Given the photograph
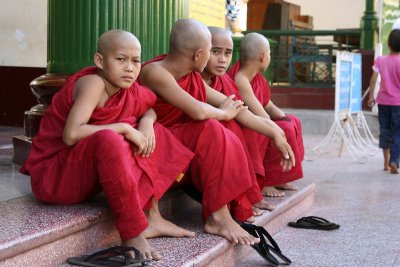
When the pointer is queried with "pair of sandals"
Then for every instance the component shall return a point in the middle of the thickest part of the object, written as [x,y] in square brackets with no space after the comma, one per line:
[314,222]
[265,250]
[111,257]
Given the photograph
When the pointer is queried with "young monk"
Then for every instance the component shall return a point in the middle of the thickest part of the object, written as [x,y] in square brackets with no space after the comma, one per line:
[219,168]
[216,77]
[99,134]
[254,59]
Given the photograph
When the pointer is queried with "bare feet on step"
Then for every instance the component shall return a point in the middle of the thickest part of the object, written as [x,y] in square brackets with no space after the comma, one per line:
[270,191]
[251,219]
[221,223]
[141,244]
[264,205]
[158,226]
[257,211]
[286,186]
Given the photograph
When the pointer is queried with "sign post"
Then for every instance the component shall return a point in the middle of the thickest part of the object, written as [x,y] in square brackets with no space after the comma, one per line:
[348,103]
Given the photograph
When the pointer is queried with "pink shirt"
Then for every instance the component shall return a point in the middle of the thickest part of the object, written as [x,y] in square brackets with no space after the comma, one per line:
[389,69]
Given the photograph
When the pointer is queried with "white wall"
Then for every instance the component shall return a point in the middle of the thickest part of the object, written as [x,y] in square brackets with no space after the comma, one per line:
[23,33]
[332,14]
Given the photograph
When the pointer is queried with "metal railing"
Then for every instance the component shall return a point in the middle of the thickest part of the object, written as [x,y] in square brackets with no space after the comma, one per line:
[306,58]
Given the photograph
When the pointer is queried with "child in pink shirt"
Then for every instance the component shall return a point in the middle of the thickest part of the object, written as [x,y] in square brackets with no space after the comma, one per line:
[388,101]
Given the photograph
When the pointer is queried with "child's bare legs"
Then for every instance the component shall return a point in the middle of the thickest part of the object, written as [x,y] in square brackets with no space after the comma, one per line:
[386,158]
[158,226]
[270,191]
[221,223]
[141,244]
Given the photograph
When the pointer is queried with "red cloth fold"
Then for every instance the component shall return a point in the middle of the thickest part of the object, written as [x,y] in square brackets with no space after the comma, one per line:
[274,174]
[62,174]
[219,168]
[225,85]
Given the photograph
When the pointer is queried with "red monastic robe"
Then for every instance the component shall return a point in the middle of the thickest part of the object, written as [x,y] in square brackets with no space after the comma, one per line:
[274,174]
[62,174]
[225,85]
[219,168]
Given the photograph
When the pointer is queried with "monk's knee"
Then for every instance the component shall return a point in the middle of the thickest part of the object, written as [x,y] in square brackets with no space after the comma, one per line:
[108,142]
[213,127]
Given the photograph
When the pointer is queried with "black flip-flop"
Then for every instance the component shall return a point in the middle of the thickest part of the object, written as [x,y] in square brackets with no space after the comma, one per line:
[263,248]
[111,257]
[314,222]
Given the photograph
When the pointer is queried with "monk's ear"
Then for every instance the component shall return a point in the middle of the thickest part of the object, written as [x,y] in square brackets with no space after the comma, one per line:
[262,57]
[197,54]
[98,60]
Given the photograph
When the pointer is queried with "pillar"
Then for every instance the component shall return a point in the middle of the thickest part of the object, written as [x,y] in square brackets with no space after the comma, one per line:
[73,29]
[369,26]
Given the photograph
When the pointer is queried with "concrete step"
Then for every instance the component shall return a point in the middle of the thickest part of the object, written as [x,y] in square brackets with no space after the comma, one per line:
[318,122]
[35,234]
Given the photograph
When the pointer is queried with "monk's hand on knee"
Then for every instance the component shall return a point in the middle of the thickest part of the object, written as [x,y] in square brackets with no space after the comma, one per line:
[147,129]
[137,138]
[232,107]
[150,146]
[291,155]
[288,160]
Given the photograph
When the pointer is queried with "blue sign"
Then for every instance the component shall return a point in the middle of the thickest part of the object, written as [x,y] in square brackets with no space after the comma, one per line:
[356,95]
[345,85]
[348,84]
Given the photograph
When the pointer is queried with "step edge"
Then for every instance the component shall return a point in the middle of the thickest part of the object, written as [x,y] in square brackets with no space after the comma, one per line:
[13,247]
[224,245]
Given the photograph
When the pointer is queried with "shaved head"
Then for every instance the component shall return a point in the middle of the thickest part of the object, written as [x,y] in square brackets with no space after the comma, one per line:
[252,45]
[216,31]
[114,38]
[188,35]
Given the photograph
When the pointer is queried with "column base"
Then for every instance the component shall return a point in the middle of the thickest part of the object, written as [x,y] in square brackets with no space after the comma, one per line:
[44,88]
[22,145]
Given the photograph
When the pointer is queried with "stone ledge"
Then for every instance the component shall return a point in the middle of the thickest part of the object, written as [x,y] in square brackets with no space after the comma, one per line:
[35,234]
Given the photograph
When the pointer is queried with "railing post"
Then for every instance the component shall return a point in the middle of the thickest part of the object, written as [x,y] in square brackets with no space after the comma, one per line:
[369,25]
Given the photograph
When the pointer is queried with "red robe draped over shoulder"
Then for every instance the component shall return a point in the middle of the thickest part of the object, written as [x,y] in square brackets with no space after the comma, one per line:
[274,174]
[219,168]
[105,160]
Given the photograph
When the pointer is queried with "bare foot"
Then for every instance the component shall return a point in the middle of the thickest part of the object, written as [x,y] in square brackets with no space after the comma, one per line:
[221,223]
[141,244]
[264,205]
[386,168]
[386,159]
[251,219]
[393,168]
[158,226]
[270,191]
[257,211]
[286,186]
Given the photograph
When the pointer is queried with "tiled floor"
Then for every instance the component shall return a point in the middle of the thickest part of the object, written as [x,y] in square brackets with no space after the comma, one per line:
[362,198]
